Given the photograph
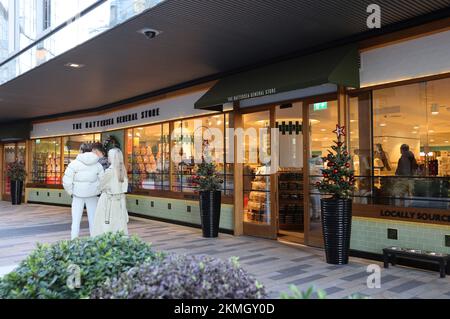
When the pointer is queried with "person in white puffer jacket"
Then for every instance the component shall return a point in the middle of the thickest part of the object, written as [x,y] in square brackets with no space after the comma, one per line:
[82,181]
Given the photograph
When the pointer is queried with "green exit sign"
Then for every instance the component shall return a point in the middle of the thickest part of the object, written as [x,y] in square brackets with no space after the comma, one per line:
[320,106]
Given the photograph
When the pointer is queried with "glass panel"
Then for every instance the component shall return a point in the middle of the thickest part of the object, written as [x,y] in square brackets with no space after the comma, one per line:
[9,157]
[360,138]
[72,146]
[323,118]
[289,123]
[150,151]
[256,178]
[411,145]
[46,161]
[209,133]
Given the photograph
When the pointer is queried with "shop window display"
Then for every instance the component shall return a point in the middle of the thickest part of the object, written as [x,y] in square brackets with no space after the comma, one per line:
[207,130]
[72,146]
[46,164]
[9,157]
[256,177]
[149,157]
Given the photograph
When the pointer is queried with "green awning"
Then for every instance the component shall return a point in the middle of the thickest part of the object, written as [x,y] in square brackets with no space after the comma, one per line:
[337,66]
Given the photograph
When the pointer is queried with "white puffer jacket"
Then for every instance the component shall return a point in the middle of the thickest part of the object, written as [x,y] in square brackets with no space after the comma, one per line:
[82,176]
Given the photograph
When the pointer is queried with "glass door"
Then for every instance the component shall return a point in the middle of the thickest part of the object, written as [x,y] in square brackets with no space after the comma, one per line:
[290,172]
[254,151]
[323,117]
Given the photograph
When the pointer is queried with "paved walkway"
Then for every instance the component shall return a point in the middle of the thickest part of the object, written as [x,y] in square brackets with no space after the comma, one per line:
[276,264]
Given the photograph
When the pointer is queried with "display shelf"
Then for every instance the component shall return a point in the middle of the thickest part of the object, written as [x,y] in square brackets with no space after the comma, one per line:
[290,201]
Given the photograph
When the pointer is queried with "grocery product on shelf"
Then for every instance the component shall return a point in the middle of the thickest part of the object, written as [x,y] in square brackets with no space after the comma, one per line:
[290,200]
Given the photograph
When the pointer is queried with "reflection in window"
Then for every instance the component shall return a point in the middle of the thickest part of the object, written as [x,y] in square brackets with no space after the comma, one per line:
[46,165]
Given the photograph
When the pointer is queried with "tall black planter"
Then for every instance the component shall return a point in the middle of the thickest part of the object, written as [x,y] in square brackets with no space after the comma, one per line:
[210,203]
[16,192]
[336,226]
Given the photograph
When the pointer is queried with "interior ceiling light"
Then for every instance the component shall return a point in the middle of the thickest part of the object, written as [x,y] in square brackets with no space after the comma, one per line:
[435,109]
[74,65]
[383,124]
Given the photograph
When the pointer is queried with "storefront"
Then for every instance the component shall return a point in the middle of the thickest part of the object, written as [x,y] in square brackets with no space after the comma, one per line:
[292,108]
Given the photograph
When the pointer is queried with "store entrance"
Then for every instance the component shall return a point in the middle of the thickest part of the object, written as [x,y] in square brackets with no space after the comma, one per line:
[290,178]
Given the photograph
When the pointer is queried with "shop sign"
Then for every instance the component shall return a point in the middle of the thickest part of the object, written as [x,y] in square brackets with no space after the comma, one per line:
[166,109]
[127,118]
[251,95]
[320,106]
[415,216]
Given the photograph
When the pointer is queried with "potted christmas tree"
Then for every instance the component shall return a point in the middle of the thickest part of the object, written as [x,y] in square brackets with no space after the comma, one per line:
[16,173]
[209,186]
[338,181]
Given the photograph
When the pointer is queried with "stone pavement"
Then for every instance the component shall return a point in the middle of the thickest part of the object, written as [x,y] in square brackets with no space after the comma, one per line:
[277,265]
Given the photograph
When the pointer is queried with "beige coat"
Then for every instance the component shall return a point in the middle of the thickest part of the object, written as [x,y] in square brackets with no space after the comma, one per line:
[111,214]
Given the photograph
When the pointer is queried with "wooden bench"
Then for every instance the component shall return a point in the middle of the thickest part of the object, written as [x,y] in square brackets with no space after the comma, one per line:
[390,256]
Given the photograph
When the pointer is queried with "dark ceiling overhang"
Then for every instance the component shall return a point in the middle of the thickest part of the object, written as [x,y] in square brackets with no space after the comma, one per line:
[201,41]
[15,131]
[337,66]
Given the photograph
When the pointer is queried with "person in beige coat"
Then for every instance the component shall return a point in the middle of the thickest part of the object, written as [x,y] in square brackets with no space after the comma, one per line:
[111,214]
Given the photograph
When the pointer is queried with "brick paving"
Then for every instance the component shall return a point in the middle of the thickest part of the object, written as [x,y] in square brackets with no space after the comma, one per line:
[277,265]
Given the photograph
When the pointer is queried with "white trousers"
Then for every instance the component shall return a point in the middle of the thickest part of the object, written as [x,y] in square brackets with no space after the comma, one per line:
[77,213]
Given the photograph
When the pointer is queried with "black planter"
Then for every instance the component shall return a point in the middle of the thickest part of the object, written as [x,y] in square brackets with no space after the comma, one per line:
[336,227]
[16,192]
[210,203]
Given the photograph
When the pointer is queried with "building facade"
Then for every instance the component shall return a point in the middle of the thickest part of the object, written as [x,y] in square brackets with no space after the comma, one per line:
[389,93]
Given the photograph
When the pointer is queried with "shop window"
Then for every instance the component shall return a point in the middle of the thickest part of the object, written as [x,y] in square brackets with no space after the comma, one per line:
[256,158]
[209,135]
[72,146]
[9,156]
[410,145]
[359,130]
[46,164]
[148,157]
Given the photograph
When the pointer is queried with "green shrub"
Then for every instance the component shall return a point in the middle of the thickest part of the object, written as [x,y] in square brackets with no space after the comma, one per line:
[45,273]
[184,277]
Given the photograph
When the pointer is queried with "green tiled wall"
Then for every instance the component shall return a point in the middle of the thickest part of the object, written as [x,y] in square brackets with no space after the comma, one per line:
[142,205]
[178,212]
[48,196]
[370,235]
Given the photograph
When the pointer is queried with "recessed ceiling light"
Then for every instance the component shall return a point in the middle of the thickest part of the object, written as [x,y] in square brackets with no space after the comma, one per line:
[432,141]
[414,132]
[74,65]
[383,124]
[431,131]
[416,127]
[446,142]
[435,109]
